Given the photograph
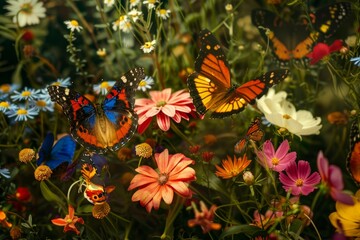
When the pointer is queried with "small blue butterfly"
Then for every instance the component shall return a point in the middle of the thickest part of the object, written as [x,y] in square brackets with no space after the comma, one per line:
[55,155]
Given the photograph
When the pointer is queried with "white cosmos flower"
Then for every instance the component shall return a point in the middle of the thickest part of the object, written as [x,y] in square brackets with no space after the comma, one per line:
[282,113]
[25,12]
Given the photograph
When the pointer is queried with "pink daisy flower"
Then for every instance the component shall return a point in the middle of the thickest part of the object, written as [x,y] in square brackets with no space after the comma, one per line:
[332,180]
[164,106]
[276,161]
[298,179]
[173,175]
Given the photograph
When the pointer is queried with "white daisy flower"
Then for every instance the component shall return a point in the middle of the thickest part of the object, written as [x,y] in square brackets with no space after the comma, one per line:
[146,83]
[134,3]
[163,13]
[43,104]
[25,12]
[26,94]
[123,23]
[22,113]
[150,3]
[148,46]
[134,14]
[104,87]
[109,3]
[73,25]
[6,89]
[5,106]
[63,82]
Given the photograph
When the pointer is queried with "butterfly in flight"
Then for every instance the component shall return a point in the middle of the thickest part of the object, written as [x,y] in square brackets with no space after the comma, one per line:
[254,133]
[210,85]
[353,159]
[293,41]
[105,126]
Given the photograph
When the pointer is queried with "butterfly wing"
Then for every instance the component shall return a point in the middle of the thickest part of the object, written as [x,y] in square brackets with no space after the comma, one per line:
[62,152]
[45,149]
[254,133]
[353,159]
[118,106]
[81,114]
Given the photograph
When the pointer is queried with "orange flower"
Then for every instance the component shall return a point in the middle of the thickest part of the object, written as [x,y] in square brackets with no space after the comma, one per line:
[232,168]
[204,218]
[69,221]
[172,175]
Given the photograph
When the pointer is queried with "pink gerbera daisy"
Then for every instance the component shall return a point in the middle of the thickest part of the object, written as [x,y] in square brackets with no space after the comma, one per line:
[298,179]
[164,106]
[173,175]
[276,161]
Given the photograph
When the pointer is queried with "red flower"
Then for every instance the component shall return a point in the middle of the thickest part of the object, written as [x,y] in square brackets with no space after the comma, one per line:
[23,194]
[69,221]
[322,50]
[204,218]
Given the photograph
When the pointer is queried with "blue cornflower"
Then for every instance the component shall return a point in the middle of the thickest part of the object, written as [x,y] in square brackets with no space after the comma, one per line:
[356,61]
[146,83]
[22,113]
[26,94]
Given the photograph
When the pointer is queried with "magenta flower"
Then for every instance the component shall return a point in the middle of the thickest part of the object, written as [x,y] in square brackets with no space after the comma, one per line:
[298,179]
[276,161]
[164,106]
[332,180]
[322,50]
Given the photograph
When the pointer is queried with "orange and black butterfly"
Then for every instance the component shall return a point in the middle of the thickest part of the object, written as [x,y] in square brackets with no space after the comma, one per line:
[254,133]
[353,159]
[293,41]
[210,85]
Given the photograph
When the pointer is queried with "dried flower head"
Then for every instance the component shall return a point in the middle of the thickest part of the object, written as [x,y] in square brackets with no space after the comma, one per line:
[143,150]
[26,155]
[42,172]
[100,211]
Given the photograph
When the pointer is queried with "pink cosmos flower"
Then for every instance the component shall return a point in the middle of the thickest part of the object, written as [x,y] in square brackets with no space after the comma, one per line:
[332,180]
[164,106]
[172,175]
[298,179]
[322,50]
[276,161]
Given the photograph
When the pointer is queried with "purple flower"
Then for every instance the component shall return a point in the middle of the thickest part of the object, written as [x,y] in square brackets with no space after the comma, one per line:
[332,180]
[298,179]
[276,161]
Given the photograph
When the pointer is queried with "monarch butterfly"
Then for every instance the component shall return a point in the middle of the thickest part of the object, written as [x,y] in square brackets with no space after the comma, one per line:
[254,133]
[353,159]
[210,85]
[294,40]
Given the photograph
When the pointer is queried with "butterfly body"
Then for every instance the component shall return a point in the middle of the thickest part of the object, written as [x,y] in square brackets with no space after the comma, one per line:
[105,126]
[210,85]
[253,133]
[353,159]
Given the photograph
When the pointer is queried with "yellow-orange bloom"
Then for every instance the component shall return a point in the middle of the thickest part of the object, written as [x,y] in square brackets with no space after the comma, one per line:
[26,155]
[42,172]
[3,222]
[143,150]
[232,168]
[204,218]
[346,219]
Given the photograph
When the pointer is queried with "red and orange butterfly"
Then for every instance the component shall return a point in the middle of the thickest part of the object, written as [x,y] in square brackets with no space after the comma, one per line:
[254,133]
[353,159]
[210,85]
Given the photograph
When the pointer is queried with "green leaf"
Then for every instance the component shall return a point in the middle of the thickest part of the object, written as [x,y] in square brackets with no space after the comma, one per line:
[51,196]
[87,208]
[243,229]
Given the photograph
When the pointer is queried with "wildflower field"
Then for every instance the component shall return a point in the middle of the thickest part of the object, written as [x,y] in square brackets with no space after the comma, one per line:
[166,119]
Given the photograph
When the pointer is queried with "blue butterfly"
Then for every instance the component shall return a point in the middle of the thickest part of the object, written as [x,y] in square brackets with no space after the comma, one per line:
[55,155]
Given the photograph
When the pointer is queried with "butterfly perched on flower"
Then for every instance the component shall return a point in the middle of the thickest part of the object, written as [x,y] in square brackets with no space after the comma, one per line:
[254,133]
[210,85]
[353,159]
[54,155]
[294,40]
[105,126]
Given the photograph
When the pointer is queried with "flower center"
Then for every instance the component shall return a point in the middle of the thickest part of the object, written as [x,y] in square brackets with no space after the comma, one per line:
[41,103]
[4,104]
[275,161]
[142,83]
[5,88]
[69,220]
[151,1]
[22,111]
[104,85]
[162,11]
[26,93]
[299,182]
[163,178]
[26,8]
[147,45]
[286,116]
[74,23]
[161,103]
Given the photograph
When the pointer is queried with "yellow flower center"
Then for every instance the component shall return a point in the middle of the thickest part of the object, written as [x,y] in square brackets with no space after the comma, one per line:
[4,104]
[26,8]
[162,11]
[147,45]
[286,116]
[74,23]
[104,85]
[55,84]
[5,88]
[22,111]
[275,161]
[69,220]
[26,93]
[299,182]
[142,83]
[160,103]
[151,1]
[41,103]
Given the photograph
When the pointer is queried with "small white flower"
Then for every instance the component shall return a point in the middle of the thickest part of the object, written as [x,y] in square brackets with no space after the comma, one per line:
[25,12]
[73,25]
[150,3]
[134,14]
[148,46]
[6,89]
[63,82]
[163,13]
[43,104]
[123,23]
[101,52]
[26,94]
[104,87]
[109,3]
[22,113]
[146,83]
[134,3]
[5,106]
[282,113]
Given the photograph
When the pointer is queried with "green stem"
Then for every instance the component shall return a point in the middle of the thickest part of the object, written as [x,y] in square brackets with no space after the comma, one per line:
[173,212]
[179,133]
